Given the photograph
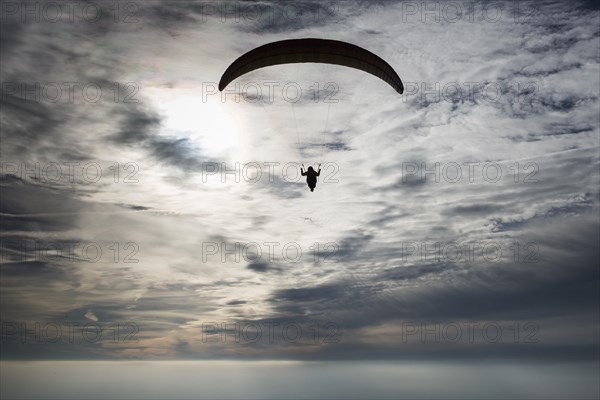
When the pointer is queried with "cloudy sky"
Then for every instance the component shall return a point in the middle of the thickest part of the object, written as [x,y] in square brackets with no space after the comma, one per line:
[145,216]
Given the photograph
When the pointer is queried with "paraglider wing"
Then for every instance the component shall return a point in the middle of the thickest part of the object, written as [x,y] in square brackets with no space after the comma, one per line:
[312,51]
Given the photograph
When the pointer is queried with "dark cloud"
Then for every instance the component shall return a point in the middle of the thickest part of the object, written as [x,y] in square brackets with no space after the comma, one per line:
[261,267]
[577,206]
[414,272]
[14,272]
[337,146]
[137,126]
[173,15]
[280,17]
[33,207]
[553,288]
[177,152]
[134,207]
[256,17]
[236,302]
[554,130]
[477,209]
[11,35]
[305,295]
[352,245]
[27,122]
[544,73]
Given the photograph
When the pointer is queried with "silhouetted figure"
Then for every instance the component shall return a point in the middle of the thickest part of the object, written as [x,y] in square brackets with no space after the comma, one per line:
[311,176]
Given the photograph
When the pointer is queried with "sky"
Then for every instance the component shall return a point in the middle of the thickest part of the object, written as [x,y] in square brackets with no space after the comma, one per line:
[146,216]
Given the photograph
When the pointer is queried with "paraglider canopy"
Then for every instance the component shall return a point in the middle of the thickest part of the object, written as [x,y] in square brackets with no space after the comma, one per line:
[312,51]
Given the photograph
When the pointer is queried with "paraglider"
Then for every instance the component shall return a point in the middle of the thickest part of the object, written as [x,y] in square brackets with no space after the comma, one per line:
[312,51]
[311,176]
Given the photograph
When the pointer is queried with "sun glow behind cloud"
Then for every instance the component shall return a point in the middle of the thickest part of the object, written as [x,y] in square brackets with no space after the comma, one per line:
[206,122]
